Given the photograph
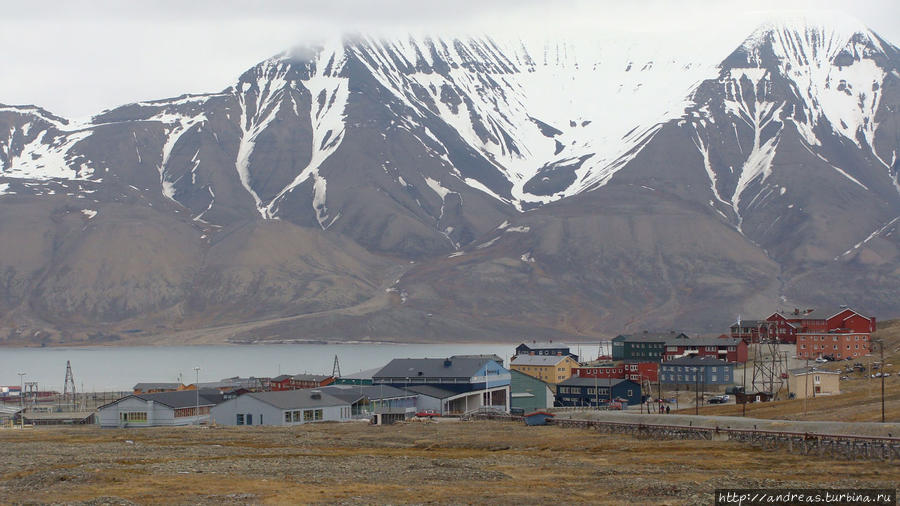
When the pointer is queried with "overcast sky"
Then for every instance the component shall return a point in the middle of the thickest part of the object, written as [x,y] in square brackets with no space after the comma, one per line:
[76,58]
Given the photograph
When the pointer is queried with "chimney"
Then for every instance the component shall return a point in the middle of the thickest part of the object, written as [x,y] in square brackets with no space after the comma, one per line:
[316,394]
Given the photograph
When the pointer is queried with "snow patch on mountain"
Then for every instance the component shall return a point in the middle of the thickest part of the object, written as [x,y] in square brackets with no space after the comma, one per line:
[330,92]
[47,157]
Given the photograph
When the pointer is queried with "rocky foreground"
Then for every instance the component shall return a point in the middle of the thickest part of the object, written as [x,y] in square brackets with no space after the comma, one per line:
[445,462]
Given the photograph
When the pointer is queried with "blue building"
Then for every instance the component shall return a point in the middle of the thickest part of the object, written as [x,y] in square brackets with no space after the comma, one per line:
[548,348]
[593,392]
[696,371]
[455,385]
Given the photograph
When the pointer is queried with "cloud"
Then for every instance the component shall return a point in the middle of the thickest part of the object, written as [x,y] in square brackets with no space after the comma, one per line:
[76,58]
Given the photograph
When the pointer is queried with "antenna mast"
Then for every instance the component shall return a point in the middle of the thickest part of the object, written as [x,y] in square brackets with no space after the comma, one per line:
[69,388]
[336,369]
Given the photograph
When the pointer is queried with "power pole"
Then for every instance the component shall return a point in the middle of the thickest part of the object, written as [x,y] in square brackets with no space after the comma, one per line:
[336,369]
[22,398]
[696,392]
[197,390]
[881,369]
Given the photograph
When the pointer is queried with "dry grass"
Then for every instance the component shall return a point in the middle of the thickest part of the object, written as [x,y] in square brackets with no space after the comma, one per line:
[474,462]
[860,399]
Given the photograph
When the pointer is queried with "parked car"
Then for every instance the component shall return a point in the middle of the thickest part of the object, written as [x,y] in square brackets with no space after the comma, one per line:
[821,360]
[718,399]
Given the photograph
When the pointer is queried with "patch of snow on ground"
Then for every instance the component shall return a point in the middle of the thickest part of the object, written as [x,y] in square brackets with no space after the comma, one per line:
[90,213]
[521,229]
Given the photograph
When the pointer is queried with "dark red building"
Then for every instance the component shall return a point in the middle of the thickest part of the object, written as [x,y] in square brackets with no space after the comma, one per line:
[728,349]
[786,325]
[634,371]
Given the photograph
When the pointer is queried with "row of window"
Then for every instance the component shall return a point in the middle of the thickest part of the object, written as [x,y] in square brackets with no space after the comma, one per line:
[690,378]
[303,415]
[835,347]
[579,390]
[247,419]
[134,417]
[835,338]
[683,368]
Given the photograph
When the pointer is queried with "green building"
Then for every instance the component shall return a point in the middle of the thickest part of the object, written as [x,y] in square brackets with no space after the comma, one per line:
[528,393]
[646,347]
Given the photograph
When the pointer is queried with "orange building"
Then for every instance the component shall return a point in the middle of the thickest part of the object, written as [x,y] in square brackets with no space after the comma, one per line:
[837,346]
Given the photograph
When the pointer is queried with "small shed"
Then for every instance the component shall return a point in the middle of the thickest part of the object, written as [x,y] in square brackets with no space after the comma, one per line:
[538,418]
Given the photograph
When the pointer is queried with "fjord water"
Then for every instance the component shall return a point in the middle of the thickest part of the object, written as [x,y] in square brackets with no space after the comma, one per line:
[99,369]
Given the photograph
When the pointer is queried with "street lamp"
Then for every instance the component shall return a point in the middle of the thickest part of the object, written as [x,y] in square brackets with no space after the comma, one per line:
[22,399]
[197,390]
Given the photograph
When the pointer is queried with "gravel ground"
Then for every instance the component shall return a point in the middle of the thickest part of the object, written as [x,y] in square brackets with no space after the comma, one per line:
[443,463]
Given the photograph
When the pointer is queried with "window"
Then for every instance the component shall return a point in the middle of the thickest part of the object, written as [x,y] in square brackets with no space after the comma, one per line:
[134,417]
[249,419]
[630,393]
[287,417]
[714,378]
[296,416]
[240,419]
[802,346]
[835,338]
[713,369]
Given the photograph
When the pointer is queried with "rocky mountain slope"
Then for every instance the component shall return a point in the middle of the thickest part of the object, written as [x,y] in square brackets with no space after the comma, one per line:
[464,188]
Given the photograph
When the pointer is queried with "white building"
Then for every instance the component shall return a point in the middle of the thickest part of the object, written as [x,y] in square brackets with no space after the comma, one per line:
[185,407]
[287,407]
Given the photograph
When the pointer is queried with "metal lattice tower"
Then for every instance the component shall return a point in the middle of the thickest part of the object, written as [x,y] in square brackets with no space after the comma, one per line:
[769,366]
[336,369]
[69,388]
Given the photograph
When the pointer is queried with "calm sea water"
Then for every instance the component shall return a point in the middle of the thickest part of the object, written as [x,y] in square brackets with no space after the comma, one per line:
[118,368]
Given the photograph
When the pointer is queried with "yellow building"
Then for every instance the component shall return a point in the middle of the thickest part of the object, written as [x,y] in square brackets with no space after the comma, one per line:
[811,382]
[551,369]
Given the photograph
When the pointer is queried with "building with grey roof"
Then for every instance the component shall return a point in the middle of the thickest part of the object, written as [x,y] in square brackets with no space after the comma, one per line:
[473,382]
[287,407]
[544,348]
[184,407]
[697,371]
[366,400]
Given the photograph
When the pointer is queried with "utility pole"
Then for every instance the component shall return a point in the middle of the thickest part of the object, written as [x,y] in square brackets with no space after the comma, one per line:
[197,390]
[806,384]
[881,370]
[696,392]
[22,399]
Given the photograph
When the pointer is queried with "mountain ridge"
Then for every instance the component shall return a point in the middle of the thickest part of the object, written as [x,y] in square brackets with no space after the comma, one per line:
[451,154]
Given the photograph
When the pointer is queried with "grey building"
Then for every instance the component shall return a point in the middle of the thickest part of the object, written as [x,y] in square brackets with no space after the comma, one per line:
[696,371]
[461,384]
[366,400]
[287,407]
[185,407]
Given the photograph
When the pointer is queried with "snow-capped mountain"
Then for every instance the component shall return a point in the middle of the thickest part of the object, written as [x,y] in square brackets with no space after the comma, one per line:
[483,154]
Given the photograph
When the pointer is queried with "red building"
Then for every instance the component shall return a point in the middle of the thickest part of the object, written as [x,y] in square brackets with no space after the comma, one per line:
[836,345]
[298,381]
[787,325]
[728,349]
[634,371]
